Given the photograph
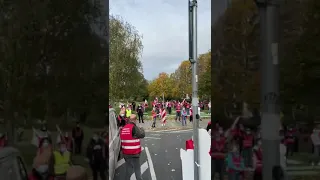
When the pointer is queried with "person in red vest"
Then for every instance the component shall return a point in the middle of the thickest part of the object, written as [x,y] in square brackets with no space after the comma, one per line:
[187,106]
[235,163]
[130,136]
[43,145]
[217,153]
[3,140]
[78,135]
[67,140]
[169,107]
[178,112]
[289,141]
[247,145]
[257,160]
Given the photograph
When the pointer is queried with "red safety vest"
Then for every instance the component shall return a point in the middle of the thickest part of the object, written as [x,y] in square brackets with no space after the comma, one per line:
[289,139]
[217,149]
[190,113]
[178,109]
[3,142]
[129,144]
[247,141]
[154,114]
[258,154]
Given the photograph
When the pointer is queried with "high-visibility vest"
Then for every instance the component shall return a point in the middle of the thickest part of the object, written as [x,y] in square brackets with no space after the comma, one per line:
[247,141]
[217,148]
[62,161]
[128,112]
[129,145]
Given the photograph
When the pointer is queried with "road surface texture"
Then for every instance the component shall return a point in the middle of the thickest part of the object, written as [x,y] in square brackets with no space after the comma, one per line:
[160,158]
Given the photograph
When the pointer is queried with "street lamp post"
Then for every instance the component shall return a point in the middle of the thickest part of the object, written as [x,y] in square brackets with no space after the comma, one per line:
[192,12]
[270,121]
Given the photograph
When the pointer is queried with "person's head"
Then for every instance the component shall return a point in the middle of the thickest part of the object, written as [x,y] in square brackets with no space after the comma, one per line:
[95,136]
[122,113]
[133,118]
[62,147]
[235,147]
[43,128]
[241,127]
[220,130]
[248,131]
[45,143]
[259,142]
[78,124]
[183,109]
[217,136]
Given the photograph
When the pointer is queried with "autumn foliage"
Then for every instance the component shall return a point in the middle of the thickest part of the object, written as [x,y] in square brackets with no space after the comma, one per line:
[178,84]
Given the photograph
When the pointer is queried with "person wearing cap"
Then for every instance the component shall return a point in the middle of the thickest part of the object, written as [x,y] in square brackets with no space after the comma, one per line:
[96,155]
[61,160]
[130,136]
[77,135]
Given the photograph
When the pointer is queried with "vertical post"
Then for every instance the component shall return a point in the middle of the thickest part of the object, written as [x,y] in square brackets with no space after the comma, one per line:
[195,101]
[270,123]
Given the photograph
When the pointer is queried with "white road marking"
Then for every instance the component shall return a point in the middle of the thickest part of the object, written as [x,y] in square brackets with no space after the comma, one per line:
[177,131]
[122,161]
[152,138]
[152,172]
[144,167]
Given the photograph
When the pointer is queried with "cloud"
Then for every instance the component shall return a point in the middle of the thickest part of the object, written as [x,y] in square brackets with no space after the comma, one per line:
[164,26]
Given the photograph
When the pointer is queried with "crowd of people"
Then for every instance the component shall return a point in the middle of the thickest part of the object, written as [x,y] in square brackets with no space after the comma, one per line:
[237,151]
[160,110]
[54,159]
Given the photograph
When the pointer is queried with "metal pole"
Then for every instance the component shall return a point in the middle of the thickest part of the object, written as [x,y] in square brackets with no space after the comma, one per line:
[270,123]
[195,101]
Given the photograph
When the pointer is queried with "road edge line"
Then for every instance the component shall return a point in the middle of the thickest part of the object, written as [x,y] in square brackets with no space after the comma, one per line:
[152,172]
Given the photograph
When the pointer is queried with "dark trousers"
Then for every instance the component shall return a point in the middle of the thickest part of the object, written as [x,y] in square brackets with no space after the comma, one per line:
[191,118]
[257,175]
[78,146]
[132,164]
[98,168]
[217,167]
[178,115]
[169,109]
[290,149]
[140,116]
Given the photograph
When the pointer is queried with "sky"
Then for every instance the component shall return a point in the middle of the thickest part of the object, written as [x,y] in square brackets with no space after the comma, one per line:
[164,27]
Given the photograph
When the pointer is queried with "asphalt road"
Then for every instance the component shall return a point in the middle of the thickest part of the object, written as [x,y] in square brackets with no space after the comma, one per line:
[160,158]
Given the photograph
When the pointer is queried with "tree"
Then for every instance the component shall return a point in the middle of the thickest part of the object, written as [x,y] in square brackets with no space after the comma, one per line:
[46,70]
[161,86]
[204,72]
[124,64]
